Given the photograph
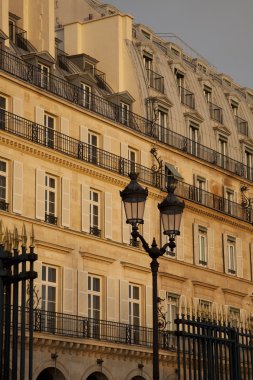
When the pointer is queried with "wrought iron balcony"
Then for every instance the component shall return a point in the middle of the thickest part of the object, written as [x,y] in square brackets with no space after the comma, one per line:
[60,87]
[18,37]
[4,206]
[155,80]
[187,97]
[51,219]
[242,126]
[215,112]
[95,231]
[71,147]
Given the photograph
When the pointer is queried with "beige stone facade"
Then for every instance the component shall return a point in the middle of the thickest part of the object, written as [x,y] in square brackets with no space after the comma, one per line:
[70,134]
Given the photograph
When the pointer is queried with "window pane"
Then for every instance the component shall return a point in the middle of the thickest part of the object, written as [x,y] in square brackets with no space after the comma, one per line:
[136,295]
[3,166]
[51,274]
[96,284]
[44,271]
[51,293]
[96,302]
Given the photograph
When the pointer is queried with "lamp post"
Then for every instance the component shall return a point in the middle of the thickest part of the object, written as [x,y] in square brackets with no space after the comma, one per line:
[171,208]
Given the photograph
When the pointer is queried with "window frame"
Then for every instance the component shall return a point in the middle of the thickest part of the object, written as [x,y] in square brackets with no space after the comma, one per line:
[48,318]
[94,293]
[124,113]
[43,75]
[95,229]
[50,217]
[86,95]
[231,255]
[134,301]
[4,174]
[93,155]
[49,124]
[202,243]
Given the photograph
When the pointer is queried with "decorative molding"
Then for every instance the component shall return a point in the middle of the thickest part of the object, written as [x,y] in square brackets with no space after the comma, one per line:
[134,267]
[205,285]
[96,258]
[234,292]
[173,276]
[52,246]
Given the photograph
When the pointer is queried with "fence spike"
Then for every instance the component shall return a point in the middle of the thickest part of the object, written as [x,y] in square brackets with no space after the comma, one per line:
[15,238]
[24,236]
[32,237]
[1,232]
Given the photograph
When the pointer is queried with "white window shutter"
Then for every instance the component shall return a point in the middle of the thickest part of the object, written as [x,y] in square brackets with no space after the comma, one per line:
[125,227]
[111,299]
[39,115]
[65,202]
[85,208]
[37,283]
[225,252]
[239,258]
[180,243]
[144,158]
[195,243]
[107,143]
[149,307]
[17,187]
[65,126]
[108,215]
[18,107]
[40,194]
[83,133]
[124,301]
[146,225]
[124,150]
[82,286]
[210,242]
[68,293]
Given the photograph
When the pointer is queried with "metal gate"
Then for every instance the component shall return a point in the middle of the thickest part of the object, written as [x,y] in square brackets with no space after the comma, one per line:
[208,350]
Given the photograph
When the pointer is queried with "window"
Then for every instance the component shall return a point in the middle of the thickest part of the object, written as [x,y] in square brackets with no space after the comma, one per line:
[3,107]
[172,301]
[12,30]
[202,245]
[234,316]
[205,308]
[134,310]
[249,163]
[200,190]
[50,199]
[86,95]
[43,75]
[49,298]
[3,186]
[49,122]
[162,122]
[95,213]
[94,305]
[207,93]
[229,201]
[223,150]
[179,79]
[148,64]
[132,157]
[194,137]
[93,139]
[234,107]
[124,113]
[231,252]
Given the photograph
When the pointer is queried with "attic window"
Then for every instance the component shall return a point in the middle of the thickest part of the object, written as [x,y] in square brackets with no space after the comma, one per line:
[175,51]
[146,34]
[227,82]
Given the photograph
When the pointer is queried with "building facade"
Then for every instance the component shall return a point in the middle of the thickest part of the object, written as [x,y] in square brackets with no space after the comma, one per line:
[86,97]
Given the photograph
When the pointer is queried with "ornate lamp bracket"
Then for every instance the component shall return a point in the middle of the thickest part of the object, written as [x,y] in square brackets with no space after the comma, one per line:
[157,167]
[245,200]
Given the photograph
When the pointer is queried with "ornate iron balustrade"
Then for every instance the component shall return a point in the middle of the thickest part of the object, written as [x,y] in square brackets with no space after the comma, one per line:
[95,231]
[155,80]
[51,219]
[29,73]
[215,112]
[71,147]
[19,37]
[242,126]
[88,328]
[4,206]
[187,97]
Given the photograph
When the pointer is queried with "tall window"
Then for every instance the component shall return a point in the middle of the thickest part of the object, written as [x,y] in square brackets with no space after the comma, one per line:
[148,64]
[93,140]
[49,122]
[200,190]
[223,150]
[3,185]
[179,79]
[134,304]
[229,201]
[50,199]
[94,297]
[124,113]
[234,107]
[94,213]
[207,93]
[231,252]
[86,95]
[172,301]
[249,163]
[49,297]
[3,107]
[202,243]
[132,157]
[162,121]
[43,75]
[194,138]
[12,30]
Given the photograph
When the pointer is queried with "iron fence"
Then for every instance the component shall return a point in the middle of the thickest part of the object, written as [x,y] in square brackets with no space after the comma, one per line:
[77,149]
[70,92]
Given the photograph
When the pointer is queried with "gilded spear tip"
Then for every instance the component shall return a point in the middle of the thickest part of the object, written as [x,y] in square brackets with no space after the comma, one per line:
[1,232]
[15,238]
[32,237]
[24,236]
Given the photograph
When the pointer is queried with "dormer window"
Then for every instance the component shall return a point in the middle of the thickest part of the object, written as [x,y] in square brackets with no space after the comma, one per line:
[148,61]
[234,106]
[179,78]
[207,93]
[124,113]
[145,34]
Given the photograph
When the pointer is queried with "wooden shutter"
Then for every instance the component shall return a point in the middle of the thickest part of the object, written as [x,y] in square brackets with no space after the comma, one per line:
[124,301]
[68,291]
[149,307]
[144,158]
[111,299]
[39,115]
[239,258]
[65,126]
[40,194]
[108,215]
[107,143]
[18,107]
[85,208]
[225,252]
[37,283]
[83,131]
[17,187]
[210,242]
[82,288]
[196,244]
[146,225]
[180,243]
[124,150]
[65,202]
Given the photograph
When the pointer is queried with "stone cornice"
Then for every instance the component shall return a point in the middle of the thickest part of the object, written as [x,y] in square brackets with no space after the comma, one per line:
[135,267]
[97,258]
[201,284]
[173,276]
[55,247]
[234,292]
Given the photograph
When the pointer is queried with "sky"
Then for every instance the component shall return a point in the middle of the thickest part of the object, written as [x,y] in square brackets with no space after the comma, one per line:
[219,30]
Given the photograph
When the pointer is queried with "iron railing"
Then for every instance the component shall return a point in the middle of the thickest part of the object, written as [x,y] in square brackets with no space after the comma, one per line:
[95,231]
[215,112]
[187,97]
[4,206]
[155,80]
[59,87]
[242,126]
[88,328]
[19,37]
[51,219]
[77,149]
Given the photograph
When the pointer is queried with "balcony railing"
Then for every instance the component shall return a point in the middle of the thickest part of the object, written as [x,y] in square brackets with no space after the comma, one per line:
[18,37]
[88,328]
[4,206]
[71,147]
[59,87]
[187,97]
[95,231]
[51,219]
[215,112]
[242,126]
[155,80]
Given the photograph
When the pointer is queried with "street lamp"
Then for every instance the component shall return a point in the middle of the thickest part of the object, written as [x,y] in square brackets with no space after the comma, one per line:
[171,208]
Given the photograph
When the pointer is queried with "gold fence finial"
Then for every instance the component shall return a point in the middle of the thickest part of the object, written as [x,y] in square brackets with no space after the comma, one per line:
[15,238]
[24,236]
[32,237]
